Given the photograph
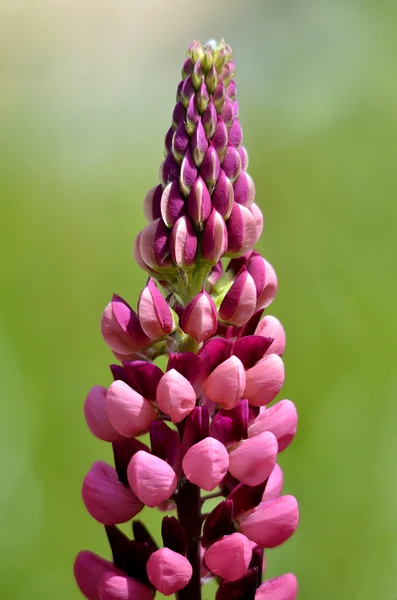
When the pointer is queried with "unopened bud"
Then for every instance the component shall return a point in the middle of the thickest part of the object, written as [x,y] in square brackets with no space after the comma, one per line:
[197,75]
[218,97]
[199,203]
[223,195]
[220,138]
[172,204]
[211,80]
[239,304]
[210,167]
[244,189]
[202,98]
[210,120]
[232,163]
[151,203]
[199,319]
[187,91]
[154,313]
[188,173]
[241,229]
[214,241]
[199,143]
[183,243]
[192,115]
[187,68]
[180,143]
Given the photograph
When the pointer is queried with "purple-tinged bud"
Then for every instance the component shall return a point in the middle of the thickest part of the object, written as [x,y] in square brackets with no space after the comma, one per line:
[223,195]
[189,365]
[88,570]
[199,319]
[123,451]
[168,571]
[264,380]
[230,426]
[197,75]
[202,98]
[154,313]
[121,328]
[241,229]
[199,203]
[239,590]
[180,143]
[196,427]
[227,73]
[239,304]
[129,412]
[226,384]
[218,523]
[210,167]
[218,97]
[228,52]
[269,326]
[165,444]
[274,484]
[179,114]
[154,245]
[195,50]
[244,158]
[272,522]
[236,134]
[175,396]
[231,90]
[96,415]
[172,204]
[168,140]
[119,587]
[236,109]
[214,241]
[267,293]
[188,174]
[227,112]
[219,59]
[169,170]
[211,80]
[215,352]
[232,163]
[215,274]
[219,139]
[244,189]
[251,348]
[199,143]
[141,375]
[281,419]
[210,119]
[192,115]
[284,587]
[230,556]
[206,61]
[183,243]
[173,535]
[206,463]
[252,461]
[151,203]
[187,91]
[258,218]
[107,500]
[179,91]
[151,479]
[138,255]
[245,497]
[187,68]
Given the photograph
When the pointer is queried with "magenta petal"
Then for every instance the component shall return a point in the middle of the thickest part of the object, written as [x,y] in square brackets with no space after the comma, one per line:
[230,426]
[151,479]
[205,464]
[230,556]
[251,348]
[168,571]
[196,428]
[281,419]
[218,523]
[173,535]
[244,189]
[199,203]
[264,380]
[239,304]
[88,569]
[143,376]
[183,242]
[188,173]
[97,417]
[118,587]
[154,313]
[284,587]
[190,366]
[245,497]
[210,167]
[272,522]
[214,352]
[172,204]
[165,444]
[241,589]
[214,241]
[223,195]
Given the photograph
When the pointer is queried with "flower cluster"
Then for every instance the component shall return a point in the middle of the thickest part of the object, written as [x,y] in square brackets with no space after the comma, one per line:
[207,416]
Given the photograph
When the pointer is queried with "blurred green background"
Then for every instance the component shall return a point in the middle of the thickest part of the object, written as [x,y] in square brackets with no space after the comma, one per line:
[87,90]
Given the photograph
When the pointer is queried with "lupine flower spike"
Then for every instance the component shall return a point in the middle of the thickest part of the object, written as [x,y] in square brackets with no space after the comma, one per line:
[211,429]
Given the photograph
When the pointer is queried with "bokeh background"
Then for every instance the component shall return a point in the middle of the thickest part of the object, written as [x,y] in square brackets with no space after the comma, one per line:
[87,90]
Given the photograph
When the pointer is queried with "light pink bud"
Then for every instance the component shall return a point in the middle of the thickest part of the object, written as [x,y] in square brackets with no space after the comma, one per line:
[129,413]
[199,143]
[241,229]
[258,218]
[151,478]
[219,139]
[120,587]
[244,189]
[151,203]
[274,484]
[280,418]
[235,135]
[264,380]
[188,173]
[269,326]
[244,158]
[270,289]
[88,570]
[154,245]
[199,203]
[210,167]
[227,112]
[96,415]
[154,313]
[252,461]
[284,587]
[172,204]
[175,396]
[230,556]
[232,163]
[272,522]
[225,385]
[223,196]
[206,463]
[183,242]
[121,328]
[180,142]
[168,571]
[210,120]
[214,241]
[239,304]
[199,319]
[107,499]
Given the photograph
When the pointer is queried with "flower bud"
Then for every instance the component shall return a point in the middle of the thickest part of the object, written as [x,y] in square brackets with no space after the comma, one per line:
[199,203]
[210,167]
[188,174]
[230,556]
[206,463]
[119,587]
[179,114]
[121,328]
[154,313]
[192,115]
[195,50]
[271,523]
[218,97]
[271,327]
[232,163]
[187,68]
[211,80]
[223,196]
[236,135]
[202,98]
[151,203]
[244,189]
[269,290]
[187,91]
[106,499]
[274,484]
[88,570]
[169,170]
[225,385]
[151,479]
[168,571]
[180,142]
[206,61]
[241,229]
[197,75]
[199,319]
[175,396]
[244,158]
[284,587]
[264,380]
[210,120]
[219,59]
[227,112]
[231,90]
[215,274]
[214,241]
[97,417]
[281,419]
[154,245]
[199,143]
[239,304]
[258,218]
[183,243]
[129,412]
[172,204]
[219,139]
[252,461]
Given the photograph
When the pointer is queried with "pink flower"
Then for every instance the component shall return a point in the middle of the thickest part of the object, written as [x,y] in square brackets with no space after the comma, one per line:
[168,571]
[151,478]
[119,587]
[206,463]
[129,412]
[272,522]
[284,587]
[230,556]
[226,384]
[97,417]
[252,461]
[175,396]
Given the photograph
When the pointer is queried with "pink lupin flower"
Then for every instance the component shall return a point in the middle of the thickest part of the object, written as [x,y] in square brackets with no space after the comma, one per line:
[199,203]
[168,571]
[154,313]
[223,195]
[152,246]
[175,396]
[252,461]
[280,418]
[172,204]
[239,304]
[151,479]
[121,328]
[241,229]
[284,587]
[226,384]
[89,568]
[264,380]
[274,484]
[230,556]
[205,464]
[199,318]
[271,327]
[272,522]
[183,242]
[129,412]
[215,240]
[119,587]
[97,417]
